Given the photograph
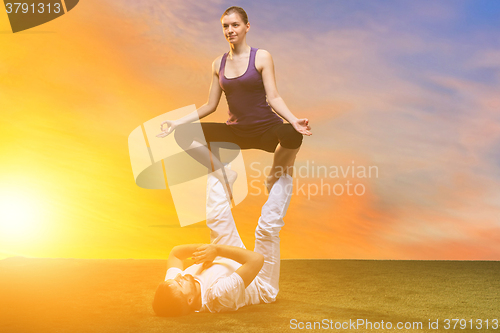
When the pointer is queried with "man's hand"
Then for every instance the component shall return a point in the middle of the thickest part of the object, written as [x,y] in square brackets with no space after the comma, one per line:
[205,254]
[180,253]
[251,262]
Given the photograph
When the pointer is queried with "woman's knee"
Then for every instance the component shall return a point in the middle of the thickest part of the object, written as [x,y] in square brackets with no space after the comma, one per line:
[184,135]
[289,137]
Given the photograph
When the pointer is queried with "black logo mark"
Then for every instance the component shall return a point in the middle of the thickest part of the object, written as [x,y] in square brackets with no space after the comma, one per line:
[26,14]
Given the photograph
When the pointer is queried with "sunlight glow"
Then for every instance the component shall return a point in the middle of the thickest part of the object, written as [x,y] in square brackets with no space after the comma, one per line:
[19,215]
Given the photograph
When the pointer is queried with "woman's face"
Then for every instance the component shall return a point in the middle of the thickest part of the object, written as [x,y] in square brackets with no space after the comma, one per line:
[233,27]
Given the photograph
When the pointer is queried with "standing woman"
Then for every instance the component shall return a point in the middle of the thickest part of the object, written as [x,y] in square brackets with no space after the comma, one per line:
[246,75]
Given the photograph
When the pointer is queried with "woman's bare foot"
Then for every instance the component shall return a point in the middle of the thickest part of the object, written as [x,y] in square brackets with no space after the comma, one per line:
[227,179]
[231,178]
[269,182]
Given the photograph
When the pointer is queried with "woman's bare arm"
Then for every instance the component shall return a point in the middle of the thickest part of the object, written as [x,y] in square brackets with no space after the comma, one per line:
[269,79]
[209,107]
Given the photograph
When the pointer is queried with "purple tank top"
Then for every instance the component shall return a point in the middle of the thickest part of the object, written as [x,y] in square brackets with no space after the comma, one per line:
[249,112]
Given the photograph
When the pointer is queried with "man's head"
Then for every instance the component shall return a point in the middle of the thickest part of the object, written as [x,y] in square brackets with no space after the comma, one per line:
[176,297]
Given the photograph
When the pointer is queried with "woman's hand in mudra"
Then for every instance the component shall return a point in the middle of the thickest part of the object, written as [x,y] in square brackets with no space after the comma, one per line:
[302,126]
[171,127]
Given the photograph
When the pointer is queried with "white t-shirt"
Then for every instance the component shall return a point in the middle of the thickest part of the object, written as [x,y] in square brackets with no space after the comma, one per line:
[222,289]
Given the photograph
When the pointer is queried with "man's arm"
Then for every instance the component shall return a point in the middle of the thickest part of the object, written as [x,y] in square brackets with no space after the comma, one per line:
[251,262]
[179,253]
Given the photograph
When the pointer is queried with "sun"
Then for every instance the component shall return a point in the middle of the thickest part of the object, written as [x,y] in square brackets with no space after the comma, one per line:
[19,215]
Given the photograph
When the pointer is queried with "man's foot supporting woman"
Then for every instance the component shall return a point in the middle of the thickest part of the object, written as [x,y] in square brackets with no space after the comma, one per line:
[227,177]
[223,173]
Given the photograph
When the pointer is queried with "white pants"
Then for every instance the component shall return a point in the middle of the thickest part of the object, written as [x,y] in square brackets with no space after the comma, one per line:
[267,241]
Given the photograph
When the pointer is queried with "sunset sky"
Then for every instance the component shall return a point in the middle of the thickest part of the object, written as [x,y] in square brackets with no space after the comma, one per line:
[409,88]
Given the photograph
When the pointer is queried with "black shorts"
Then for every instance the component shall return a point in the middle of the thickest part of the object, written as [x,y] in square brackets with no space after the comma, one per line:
[283,134]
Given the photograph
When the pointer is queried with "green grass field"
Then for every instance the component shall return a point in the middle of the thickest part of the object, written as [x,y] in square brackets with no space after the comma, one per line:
[77,295]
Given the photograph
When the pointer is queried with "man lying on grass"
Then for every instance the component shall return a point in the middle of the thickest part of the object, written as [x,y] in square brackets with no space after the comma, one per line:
[226,276]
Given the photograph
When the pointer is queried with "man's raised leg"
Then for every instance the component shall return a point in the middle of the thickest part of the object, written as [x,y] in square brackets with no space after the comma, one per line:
[267,241]
[219,217]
